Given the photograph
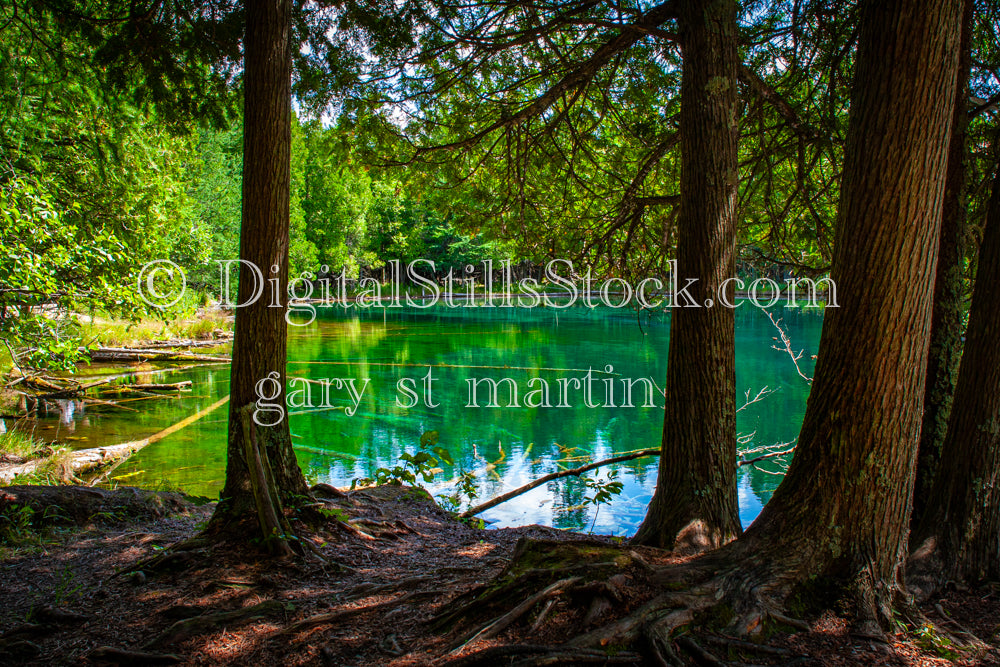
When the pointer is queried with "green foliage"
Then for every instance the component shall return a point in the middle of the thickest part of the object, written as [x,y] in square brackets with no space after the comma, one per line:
[423,464]
[67,588]
[16,523]
[605,489]
[20,444]
[929,639]
[465,487]
[334,513]
[90,190]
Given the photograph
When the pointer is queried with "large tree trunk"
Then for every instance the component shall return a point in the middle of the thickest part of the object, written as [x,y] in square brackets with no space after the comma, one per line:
[946,320]
[839,519]
[260,333]
[959,536]
[695,504]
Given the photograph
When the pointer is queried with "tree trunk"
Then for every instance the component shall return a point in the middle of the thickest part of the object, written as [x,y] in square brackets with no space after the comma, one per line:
[959,536]
[695,504]
[839,519]
[946,320]
[259,343]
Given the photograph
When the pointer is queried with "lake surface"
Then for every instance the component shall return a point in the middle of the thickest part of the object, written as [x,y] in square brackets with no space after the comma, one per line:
[505,447]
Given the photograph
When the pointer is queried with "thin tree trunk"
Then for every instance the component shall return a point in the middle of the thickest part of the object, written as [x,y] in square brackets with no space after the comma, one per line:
[259,344]
[695,504]
[840,517]
[946,320]
[959,536]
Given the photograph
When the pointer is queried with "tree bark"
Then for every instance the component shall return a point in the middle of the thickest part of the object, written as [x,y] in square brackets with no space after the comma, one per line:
[840,517]
[959,537]
[946,319]
[259,344]
[695,504]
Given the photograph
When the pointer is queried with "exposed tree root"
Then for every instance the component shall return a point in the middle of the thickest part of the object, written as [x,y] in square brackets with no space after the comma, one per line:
[176,557]
[745,646]
[107,655]
[207,622]
[496,626]
[586,580]
[327,491]
[542,655]
[535,565]
[369,589]
[333,616]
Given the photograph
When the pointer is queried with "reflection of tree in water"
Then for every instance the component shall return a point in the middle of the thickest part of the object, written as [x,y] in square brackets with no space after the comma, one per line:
[335,448]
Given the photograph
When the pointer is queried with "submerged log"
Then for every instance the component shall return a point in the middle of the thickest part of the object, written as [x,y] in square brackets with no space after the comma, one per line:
[86,460]
[166,386]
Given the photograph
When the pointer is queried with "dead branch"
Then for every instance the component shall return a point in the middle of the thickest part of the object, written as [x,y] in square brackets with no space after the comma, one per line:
[769,455]
[787,342]
[495,627]
[576,472]
[761,395]
[473,511]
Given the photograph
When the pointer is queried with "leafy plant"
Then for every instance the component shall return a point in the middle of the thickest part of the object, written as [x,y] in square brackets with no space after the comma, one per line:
[929,639]
[424,464]
[605,490]
[465,486]
[334,513]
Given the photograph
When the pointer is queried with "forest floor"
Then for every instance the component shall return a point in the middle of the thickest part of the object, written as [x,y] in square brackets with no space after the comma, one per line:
[69,592]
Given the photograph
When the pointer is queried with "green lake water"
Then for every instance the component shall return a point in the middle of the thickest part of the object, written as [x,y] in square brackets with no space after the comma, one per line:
[505,447]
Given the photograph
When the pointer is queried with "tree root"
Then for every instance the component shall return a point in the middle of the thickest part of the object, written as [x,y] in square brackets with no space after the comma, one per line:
[962,635]
[369,589]
[207,622]
[107,655]
[700,655]
[740,645]
[594,579]
[331,617]
[498,625]
[789,621]
[328,491]
[544,655]
[55,616]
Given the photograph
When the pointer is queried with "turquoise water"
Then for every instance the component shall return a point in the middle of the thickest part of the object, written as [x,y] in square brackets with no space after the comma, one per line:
[504,446]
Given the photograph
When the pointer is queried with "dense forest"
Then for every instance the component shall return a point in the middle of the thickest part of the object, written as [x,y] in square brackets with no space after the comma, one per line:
[702,143]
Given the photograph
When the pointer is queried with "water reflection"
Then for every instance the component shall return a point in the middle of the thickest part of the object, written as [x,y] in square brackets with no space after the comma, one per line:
[504,447]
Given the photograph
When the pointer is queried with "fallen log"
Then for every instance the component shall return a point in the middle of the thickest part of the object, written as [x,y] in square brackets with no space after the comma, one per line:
[85,460]
[188,342]
[576,472]
[166,386]
[71,388]
[51,389]
[117,354]
[127,449]
[482,507]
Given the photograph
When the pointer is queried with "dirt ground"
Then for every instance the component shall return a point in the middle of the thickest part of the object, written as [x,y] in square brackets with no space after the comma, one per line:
[70,594]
